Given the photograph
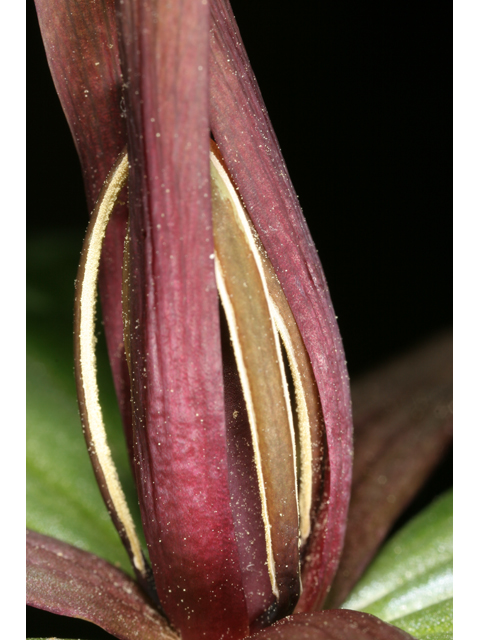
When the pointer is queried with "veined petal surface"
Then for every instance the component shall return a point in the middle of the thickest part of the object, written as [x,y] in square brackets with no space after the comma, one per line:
[175,347]
[70,582]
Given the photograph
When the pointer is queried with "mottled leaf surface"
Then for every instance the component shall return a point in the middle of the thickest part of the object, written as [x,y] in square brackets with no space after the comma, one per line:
[413,574]
[333,624]
[403,426]
[62,496]
[65,580]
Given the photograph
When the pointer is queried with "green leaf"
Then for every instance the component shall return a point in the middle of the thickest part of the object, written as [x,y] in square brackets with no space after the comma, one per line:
[431,623]
[410,582]
[63,500]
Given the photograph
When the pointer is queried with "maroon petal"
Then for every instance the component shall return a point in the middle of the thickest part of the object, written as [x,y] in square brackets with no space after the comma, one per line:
[403,426]
[336,624]
[244,491]
[245,136]
[82,51]
[81,45]
[67,581]
[175,345]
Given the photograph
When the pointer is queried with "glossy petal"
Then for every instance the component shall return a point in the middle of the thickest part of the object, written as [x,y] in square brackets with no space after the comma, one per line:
[245,136]
[65,580]
[335,624]
[175,346]
[82,51]
[403,425]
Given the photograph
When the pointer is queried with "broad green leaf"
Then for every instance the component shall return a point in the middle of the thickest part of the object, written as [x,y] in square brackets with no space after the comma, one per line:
[431,623]
[410,581]
[62,496]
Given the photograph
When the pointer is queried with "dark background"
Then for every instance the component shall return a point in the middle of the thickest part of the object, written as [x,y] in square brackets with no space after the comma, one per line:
[360,98]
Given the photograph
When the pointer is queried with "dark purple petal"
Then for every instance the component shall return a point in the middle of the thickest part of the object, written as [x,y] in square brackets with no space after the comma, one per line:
[81,44]
[403,425]
[245,136]
[175,346]
[67,581]
[336,624]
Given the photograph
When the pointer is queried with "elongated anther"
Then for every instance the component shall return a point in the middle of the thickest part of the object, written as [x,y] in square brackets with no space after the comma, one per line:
[86,370]
[309,424]
[256,346]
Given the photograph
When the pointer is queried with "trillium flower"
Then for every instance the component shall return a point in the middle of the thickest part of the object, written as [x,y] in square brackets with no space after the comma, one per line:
[224,347]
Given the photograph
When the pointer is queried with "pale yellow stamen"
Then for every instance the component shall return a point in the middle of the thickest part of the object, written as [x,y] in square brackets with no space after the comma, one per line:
[87,340]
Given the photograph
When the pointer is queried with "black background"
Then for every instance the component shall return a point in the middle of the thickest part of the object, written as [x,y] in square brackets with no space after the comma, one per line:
[360,98]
